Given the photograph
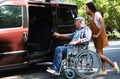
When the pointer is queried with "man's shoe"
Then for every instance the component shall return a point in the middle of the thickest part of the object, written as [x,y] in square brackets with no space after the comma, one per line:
[102,72]
[52,71]
[116,68]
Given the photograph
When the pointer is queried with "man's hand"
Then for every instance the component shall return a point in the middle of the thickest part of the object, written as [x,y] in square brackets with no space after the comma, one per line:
[57,35]
[72,43]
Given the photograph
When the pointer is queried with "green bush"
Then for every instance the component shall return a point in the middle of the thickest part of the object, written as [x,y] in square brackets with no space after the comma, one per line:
[114,36]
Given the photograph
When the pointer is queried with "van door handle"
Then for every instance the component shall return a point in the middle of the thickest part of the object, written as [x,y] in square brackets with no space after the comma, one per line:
[24,36]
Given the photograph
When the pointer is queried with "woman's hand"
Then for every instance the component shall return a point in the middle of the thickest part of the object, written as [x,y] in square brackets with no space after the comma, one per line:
[95,36]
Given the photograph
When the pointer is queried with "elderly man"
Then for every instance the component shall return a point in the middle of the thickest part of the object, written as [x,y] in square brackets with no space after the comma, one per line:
[81,35]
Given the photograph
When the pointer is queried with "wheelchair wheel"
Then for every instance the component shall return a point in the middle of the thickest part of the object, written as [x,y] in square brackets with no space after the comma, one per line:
[87,64]
[86,60]
[70,74]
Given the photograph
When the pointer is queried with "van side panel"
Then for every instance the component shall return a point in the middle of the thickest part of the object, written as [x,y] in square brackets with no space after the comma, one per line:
[11,40]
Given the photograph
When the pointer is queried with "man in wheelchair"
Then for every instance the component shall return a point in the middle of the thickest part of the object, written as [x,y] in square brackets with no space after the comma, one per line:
[81,35]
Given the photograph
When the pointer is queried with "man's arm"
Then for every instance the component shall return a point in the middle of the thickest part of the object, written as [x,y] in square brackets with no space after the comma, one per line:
[57,35]
[75,42]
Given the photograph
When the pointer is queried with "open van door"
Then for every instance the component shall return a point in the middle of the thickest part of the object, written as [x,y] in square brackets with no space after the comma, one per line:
[39,35]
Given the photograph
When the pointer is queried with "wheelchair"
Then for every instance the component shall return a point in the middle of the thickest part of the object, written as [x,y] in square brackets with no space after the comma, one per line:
[81,61]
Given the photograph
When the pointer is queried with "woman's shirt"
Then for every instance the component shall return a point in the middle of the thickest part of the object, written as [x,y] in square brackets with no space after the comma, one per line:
[96,19]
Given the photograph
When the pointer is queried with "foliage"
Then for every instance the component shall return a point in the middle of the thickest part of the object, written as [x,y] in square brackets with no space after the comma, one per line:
[114,36]
[111,10]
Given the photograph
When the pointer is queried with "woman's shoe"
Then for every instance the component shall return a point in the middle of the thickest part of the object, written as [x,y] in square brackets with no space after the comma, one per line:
[102,72]
[116,68]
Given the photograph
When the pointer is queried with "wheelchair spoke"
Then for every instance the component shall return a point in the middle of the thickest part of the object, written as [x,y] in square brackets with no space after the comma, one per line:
[87,64]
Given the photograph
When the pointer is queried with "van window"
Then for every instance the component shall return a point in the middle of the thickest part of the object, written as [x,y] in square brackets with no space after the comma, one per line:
[65,16]
[10,16]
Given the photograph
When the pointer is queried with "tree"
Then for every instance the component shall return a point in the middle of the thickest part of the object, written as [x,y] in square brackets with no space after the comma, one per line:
[110,8]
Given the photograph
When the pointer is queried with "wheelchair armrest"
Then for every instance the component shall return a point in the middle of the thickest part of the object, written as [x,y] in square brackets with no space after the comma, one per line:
[83,45]
[65,45]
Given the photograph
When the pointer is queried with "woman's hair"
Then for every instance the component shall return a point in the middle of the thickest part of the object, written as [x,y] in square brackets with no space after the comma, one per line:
[101,12]
[91,6]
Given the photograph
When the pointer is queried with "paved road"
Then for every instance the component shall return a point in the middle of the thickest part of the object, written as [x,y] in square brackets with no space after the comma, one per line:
[38,72]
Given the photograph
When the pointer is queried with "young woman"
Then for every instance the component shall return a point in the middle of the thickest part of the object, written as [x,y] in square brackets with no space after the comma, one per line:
[99,36]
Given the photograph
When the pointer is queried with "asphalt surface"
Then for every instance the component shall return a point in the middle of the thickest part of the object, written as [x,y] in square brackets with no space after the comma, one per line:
[39,72]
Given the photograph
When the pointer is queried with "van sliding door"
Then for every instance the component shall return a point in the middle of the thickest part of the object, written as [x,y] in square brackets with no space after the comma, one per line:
[65,20]
[40,24]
